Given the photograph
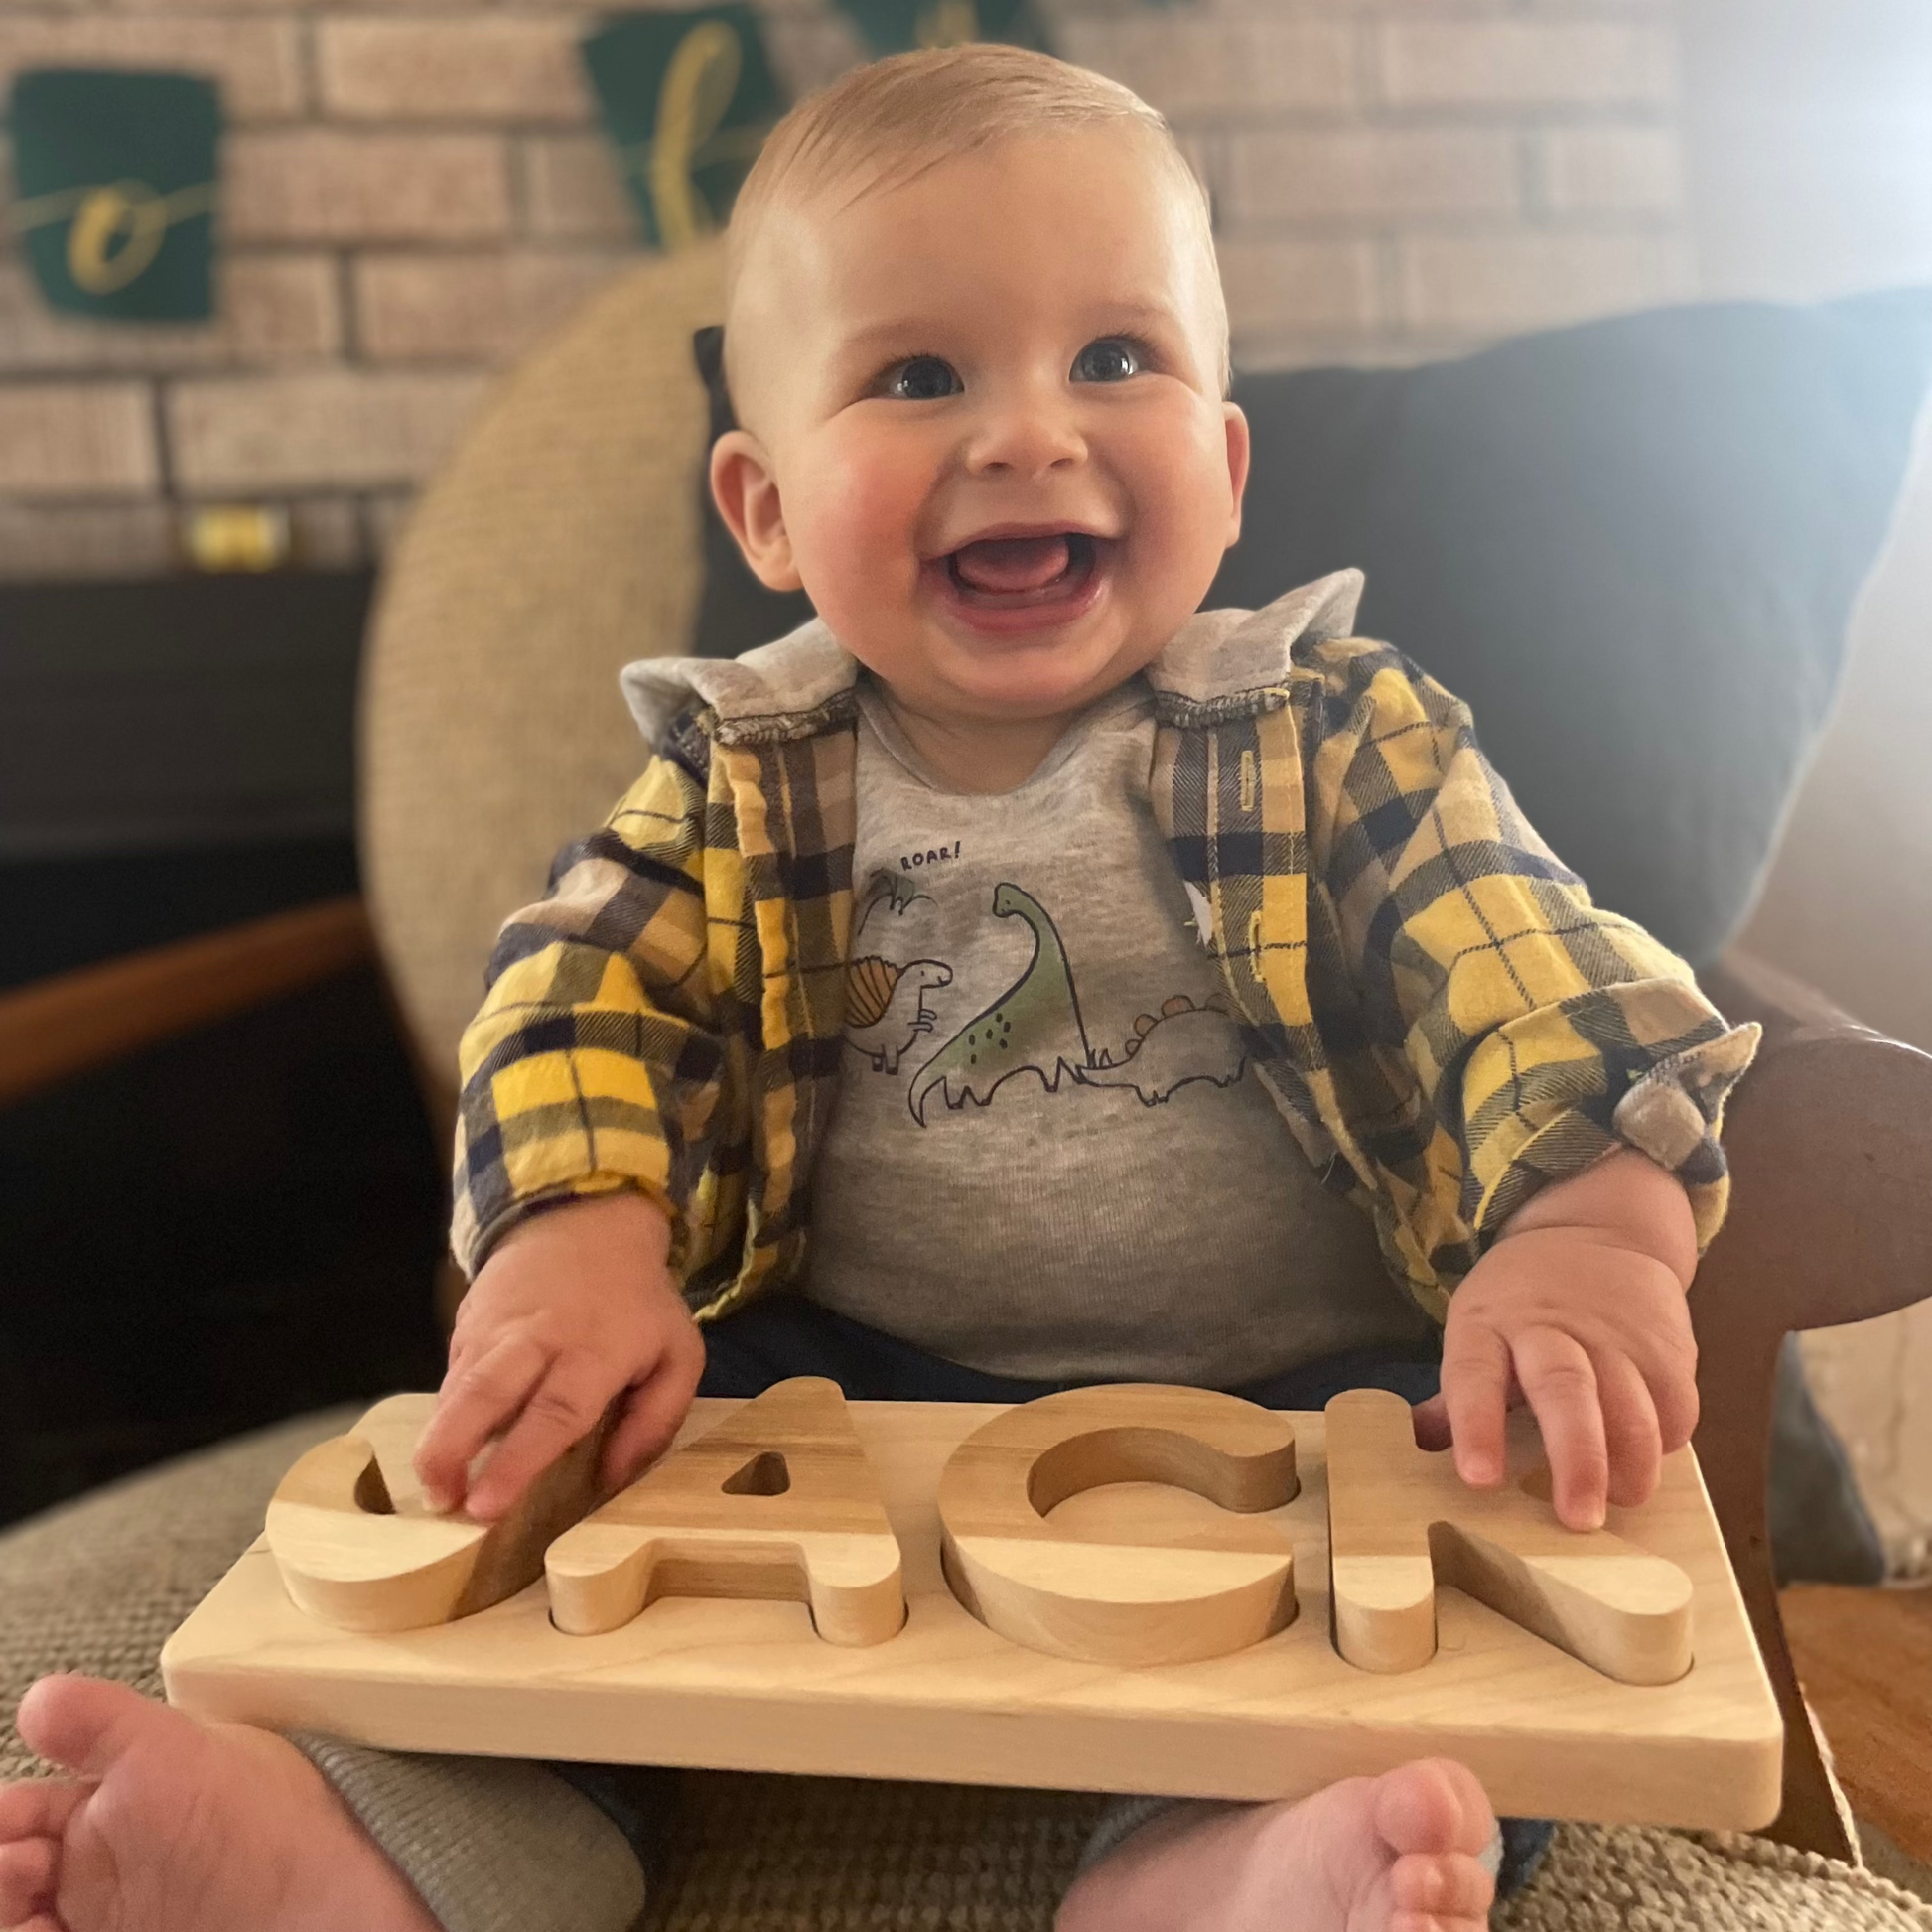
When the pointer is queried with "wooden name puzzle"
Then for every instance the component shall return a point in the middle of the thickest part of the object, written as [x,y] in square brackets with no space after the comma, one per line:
[1130,1589]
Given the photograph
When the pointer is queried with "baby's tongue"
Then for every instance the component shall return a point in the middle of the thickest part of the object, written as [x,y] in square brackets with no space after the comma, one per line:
[1012,563]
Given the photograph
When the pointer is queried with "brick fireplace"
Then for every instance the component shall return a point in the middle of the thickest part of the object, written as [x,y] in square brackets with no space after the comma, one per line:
[414,195]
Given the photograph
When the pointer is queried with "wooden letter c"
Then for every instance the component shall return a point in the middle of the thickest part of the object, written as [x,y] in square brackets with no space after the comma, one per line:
[1155,1600]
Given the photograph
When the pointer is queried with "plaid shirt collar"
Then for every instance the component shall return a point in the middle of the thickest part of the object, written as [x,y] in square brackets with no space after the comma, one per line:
[1220,665]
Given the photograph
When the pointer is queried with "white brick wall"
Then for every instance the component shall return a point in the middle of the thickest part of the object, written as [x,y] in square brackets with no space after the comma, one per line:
[1489,283]
[1187,65]
[1489,64]
[1371,176]
[257,61]
[415,191]
[573,192]
[42,539]
[512,71]
[274,308]
[345,428]
[78,439]
[324,185]
[1625,170]
[1300,286]
[470,308]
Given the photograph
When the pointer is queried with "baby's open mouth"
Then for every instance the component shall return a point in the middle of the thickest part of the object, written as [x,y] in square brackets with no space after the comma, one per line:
[1013,572]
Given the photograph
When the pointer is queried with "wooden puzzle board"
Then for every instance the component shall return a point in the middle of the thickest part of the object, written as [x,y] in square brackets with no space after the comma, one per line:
[750,1686]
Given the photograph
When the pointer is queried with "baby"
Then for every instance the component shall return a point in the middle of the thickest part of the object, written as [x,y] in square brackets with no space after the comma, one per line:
[1011,979]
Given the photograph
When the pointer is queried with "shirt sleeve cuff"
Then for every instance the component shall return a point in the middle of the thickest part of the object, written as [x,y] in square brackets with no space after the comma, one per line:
[1674,1114]
[472,1241]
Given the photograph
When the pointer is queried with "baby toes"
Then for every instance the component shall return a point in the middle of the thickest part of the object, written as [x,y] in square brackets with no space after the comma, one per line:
[27,1870]
[1434,1806]
[1439,1892]
[38,1807]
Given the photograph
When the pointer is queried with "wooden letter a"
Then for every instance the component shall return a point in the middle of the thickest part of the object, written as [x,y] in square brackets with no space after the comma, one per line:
[777,1501]
[1400,1521]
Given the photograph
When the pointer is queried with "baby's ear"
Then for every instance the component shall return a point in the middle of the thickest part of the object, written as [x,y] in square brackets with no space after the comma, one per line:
[1236,425]
[746,491]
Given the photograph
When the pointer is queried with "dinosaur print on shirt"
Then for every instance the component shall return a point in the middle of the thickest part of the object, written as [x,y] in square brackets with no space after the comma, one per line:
[1034,1027]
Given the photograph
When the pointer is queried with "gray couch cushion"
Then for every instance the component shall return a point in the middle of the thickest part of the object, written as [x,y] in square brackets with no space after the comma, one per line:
[1631,546]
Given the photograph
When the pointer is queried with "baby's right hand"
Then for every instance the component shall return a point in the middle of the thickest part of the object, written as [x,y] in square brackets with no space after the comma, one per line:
[575,1306]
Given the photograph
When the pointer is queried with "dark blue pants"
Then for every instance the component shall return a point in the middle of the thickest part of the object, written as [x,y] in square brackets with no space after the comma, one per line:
[785,1336]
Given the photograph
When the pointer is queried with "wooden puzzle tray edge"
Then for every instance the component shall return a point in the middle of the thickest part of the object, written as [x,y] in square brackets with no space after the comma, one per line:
[748,1686]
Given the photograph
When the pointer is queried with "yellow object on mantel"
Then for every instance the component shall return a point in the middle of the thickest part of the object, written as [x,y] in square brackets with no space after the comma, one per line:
[237,536]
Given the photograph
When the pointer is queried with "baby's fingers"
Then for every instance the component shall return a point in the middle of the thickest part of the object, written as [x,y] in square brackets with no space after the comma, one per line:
[653,1410]
[1632,1433]
[1432,1424]
[1666,1362]
[562,1408]
[1559,1384]
[476,1400]
[1475,1394]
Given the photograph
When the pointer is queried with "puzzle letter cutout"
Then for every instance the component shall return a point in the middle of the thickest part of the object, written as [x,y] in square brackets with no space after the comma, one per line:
[778,1501]
[1153,1599]
[1400,1521]
[352,1559]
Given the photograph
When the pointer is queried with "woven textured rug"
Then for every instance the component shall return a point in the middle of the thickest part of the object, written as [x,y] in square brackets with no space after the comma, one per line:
[99,1585]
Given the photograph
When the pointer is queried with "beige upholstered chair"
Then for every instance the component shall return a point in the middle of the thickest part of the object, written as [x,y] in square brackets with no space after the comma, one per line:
[563,541]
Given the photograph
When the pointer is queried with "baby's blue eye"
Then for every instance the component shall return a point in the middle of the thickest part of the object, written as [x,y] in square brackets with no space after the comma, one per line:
[925,378]
[1111,360]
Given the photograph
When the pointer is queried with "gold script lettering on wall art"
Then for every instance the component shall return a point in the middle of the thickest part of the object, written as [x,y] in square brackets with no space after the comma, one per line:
[695,97]
[117,227]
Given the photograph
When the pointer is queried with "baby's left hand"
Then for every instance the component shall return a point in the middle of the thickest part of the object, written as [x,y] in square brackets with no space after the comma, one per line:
[1594,1334]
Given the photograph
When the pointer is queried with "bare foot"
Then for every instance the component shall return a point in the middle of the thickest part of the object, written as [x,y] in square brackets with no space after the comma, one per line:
[173,1826]
[1402,1853]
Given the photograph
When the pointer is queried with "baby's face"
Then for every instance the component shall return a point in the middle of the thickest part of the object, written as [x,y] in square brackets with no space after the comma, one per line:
[984,426]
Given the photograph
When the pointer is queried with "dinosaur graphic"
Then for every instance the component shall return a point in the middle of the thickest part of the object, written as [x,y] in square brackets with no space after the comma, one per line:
[1034,1027]
[1182,1043]
[885,1009]
[889,889]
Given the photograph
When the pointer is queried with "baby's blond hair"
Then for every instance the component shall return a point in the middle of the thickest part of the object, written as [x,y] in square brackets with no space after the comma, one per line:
[888,122]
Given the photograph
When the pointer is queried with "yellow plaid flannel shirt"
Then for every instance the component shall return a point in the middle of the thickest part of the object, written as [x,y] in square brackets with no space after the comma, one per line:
[1444,1019]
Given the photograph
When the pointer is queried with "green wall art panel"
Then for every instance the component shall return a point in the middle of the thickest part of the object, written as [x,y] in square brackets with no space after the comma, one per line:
[896,26]
[687,97]
[115,191]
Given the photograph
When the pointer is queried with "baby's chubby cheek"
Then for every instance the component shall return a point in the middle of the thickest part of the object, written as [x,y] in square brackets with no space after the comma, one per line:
[1183,504]
[854,532]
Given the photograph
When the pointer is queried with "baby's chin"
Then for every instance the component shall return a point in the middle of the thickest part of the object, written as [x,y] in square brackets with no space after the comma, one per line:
[1039,675]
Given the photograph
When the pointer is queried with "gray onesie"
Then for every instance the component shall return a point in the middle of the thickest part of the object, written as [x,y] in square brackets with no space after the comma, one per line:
[1051,1158]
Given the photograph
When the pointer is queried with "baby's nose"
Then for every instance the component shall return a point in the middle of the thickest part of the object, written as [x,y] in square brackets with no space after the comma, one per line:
[1027,441]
